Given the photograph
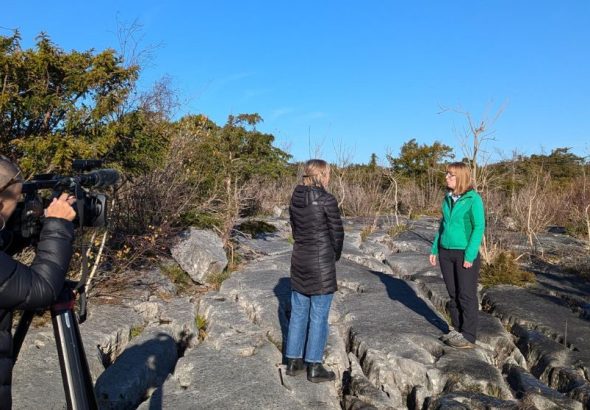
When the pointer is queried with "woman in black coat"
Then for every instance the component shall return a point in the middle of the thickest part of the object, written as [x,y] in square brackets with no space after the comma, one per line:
[36,286]
[318,235]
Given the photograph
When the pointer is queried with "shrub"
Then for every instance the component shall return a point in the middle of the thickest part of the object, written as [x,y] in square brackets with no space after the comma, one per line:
[256,228]
[201,325]
[395,230]
[135,331]
[216,279]
[505,270]
[177,275]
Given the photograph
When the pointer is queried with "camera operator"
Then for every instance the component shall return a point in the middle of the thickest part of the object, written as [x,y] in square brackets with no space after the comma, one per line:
[38,285]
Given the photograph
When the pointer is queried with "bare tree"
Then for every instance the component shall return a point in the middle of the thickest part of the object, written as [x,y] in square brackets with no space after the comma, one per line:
[474,136]
[535,206]
[343,160]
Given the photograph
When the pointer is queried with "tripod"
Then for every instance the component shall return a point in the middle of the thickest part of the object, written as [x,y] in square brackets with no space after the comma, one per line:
[77,382]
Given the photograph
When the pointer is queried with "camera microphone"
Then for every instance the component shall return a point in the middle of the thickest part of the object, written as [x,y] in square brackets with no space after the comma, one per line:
[100,178]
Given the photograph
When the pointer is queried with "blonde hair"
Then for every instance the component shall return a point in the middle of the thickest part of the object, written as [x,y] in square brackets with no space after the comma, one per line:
[463,182]
[314,171]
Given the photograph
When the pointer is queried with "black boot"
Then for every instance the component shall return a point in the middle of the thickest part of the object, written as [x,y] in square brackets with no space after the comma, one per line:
[295,366]
[317,373]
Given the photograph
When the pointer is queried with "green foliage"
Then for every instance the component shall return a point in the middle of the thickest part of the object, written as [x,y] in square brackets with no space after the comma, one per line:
[217,279]
[200,220]
[201,325]
[373,161]
[417,160]
[56,106]
[505,270]
[177,275]
[135,331]
[561,165]
[255,228]
[138,142]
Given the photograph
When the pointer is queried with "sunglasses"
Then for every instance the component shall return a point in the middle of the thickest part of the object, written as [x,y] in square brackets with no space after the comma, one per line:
[14,180]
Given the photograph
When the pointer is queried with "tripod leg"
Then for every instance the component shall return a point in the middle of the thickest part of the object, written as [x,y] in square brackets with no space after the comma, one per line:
[78,386]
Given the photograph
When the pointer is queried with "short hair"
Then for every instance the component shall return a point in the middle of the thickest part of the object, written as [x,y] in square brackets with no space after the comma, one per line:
[9,173]
[463,181]
[313,170]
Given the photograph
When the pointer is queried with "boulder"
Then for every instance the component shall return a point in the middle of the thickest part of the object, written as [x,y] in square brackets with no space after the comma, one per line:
[200,254]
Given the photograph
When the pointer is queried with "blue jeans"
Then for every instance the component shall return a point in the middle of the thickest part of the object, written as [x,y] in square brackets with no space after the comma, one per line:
[308,312]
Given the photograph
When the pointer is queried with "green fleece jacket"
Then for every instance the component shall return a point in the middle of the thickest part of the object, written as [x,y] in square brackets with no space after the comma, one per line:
[462,225]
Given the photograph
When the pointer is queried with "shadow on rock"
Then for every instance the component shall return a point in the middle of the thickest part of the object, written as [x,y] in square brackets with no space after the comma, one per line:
[138,370]
[399,290]
[282,291]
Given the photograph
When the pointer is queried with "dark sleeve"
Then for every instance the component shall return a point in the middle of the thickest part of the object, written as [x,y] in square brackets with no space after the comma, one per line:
[292,222]
[334,224]
[38,285]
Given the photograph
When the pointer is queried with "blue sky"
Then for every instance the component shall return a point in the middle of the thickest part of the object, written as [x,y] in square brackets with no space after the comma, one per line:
[343,79]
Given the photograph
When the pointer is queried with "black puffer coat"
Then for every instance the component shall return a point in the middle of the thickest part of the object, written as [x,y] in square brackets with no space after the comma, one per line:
[318,234]
[29,287]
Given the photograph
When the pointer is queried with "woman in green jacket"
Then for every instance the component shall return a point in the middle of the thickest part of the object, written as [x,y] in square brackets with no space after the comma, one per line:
[456,245]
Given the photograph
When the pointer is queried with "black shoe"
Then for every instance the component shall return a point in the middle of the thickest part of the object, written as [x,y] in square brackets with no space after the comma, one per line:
[317,373]
[295,366]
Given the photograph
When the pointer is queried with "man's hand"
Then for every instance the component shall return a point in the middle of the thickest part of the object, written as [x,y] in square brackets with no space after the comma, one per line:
[467,265]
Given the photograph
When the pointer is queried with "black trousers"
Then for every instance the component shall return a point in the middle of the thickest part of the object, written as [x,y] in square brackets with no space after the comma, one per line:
[462,287]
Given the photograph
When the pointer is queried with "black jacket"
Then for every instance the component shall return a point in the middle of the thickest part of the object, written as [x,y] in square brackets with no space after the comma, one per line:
[318,234]
[29,287]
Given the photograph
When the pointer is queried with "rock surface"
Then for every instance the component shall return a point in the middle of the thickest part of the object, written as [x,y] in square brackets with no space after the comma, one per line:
[223,350]
[200,253]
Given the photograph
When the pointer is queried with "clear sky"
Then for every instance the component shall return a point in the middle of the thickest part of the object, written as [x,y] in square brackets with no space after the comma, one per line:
[344,79]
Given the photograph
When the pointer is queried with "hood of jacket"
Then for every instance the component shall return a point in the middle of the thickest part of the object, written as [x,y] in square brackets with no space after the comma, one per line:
[304,196]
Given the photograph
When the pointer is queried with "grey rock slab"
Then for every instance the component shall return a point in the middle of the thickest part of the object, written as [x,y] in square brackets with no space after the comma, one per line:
[361,258]
[414,240]
[269,246]
[200,254]
[394,334]
[132,287]
[553,363]
[106,333]
[544,313]
[177,317]
[37,381]
[364,390]
[143,366]
[237,367]
[220,380]
[352,238]
[566,285]
[491,334]
[471,401]
[434,289]
[408,264]
[526,385]
[375,249]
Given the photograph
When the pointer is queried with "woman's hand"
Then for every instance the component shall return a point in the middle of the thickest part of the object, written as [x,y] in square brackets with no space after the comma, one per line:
[467,265]
[432,259]
[62,207]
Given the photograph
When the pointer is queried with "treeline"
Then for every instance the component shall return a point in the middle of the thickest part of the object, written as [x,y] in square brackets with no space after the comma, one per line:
[56,106]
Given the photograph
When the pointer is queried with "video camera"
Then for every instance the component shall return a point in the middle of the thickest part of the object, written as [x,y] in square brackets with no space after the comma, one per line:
[91,208]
